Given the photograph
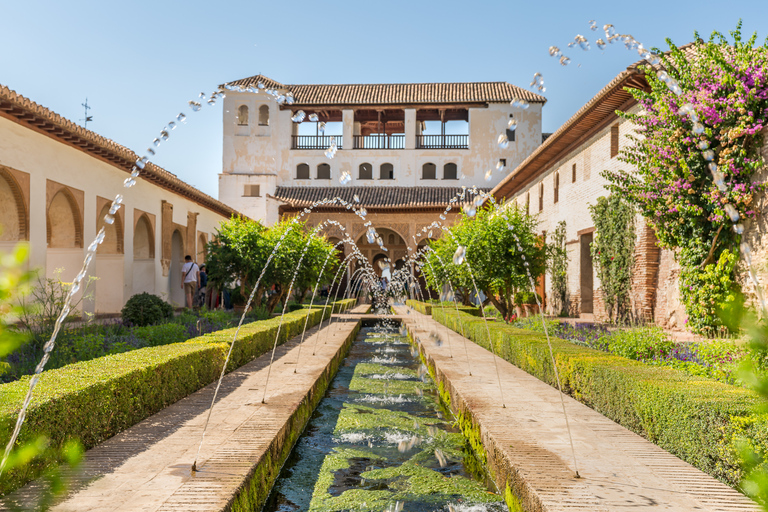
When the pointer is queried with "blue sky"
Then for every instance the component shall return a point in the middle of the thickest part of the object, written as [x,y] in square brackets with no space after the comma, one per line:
[140,62]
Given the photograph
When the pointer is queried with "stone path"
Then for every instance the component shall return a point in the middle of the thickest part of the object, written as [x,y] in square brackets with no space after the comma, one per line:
[148,466]
[619,469]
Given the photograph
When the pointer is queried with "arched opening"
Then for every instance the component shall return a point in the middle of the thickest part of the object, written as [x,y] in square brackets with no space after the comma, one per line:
[450,171]
[324,172]
[242,115]
[264,115]
[143,256]
[202,249]
[176,293]
[13,211]
[143,240]
[366,171]
[65,229]
[387,172]
[302,172]
[557,186]
[429,171]
[113,233]
[541,196]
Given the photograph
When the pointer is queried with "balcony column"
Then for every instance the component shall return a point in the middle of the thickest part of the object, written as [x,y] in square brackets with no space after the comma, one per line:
[410,128]
[348,118]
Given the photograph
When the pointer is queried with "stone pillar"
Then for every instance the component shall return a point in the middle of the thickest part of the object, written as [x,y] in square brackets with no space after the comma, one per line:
[38,211]
[348,118]
[410,128]
[191,248]
[166,230]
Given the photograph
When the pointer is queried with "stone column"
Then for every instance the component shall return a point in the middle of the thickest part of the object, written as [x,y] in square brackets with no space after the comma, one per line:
[166,230]
[348,118]
[410,128]
[38,233]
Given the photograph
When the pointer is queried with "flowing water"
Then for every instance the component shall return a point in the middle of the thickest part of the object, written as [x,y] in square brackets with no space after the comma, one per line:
[380,440]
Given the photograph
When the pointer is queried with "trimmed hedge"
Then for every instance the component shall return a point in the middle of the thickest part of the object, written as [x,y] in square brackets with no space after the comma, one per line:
[93,400]
[697,419]
[426,307]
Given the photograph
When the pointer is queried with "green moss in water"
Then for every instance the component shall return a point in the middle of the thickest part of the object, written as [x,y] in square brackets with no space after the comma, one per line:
[513,502]
[411,481]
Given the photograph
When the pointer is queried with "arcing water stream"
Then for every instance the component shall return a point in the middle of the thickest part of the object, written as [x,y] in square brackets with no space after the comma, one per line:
[381,440]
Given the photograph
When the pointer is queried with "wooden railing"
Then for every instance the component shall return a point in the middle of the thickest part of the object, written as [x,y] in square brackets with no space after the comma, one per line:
[314,141]
[442,141]
[379,141]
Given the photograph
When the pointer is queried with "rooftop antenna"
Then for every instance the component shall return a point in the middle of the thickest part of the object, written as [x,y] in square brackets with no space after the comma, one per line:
[87,117]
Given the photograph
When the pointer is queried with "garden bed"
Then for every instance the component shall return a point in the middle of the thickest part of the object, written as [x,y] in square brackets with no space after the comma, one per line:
[93,400]
[697,419]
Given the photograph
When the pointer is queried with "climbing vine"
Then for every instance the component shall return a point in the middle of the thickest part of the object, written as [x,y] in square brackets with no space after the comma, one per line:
[697,151]
[613,252]
[558,268]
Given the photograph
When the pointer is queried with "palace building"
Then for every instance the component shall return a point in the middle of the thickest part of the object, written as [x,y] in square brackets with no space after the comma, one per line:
[408,149]
[57,181]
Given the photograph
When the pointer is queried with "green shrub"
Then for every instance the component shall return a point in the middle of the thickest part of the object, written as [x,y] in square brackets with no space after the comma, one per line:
[94,400]
[697,419]
[639,343]
[163,334]
[146,309]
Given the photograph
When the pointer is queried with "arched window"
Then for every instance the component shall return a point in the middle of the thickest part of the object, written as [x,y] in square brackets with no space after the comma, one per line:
[387,172]
[450,172]
[143,240]
[324,172]
[202,249]
[13,215]
[64,225]
[242,115]
[429,171]
[541,196]
[264,115]
[366,171]
[557,186]
[113,239]
[391,240]
[302,172]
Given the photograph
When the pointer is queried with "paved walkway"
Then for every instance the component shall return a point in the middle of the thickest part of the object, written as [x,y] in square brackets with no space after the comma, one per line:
[148,466]
[619,469]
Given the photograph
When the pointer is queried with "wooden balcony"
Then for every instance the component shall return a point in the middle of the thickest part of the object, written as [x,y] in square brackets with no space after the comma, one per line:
[442,141]
[314,141]
[379,141]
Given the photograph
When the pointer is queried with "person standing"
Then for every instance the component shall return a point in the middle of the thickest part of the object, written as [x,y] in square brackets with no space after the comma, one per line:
[204,295]
[190,279]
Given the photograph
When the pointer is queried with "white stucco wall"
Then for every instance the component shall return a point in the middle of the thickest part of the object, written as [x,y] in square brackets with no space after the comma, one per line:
[44,158]
[262,155]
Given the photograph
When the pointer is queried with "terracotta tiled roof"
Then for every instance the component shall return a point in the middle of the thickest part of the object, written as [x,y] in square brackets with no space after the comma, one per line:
[26,112]
[397,94]
[372,197]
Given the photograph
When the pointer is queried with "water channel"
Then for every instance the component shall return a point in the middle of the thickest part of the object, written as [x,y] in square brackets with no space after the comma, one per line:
[380,440]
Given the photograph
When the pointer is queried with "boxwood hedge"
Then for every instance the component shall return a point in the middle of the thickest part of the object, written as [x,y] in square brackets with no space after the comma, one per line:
[94,400]
[697,419]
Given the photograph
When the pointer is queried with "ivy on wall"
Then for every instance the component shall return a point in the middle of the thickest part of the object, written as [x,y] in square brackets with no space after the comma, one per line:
[613,250]
[558,268]
[696,173]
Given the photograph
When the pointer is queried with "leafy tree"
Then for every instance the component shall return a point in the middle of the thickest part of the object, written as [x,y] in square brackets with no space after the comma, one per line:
[242,248]
[558,268]
[493,239]
[237,253]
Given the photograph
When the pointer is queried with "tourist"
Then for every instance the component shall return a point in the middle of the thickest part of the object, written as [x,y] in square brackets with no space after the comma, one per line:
[203,299]
[190,279]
